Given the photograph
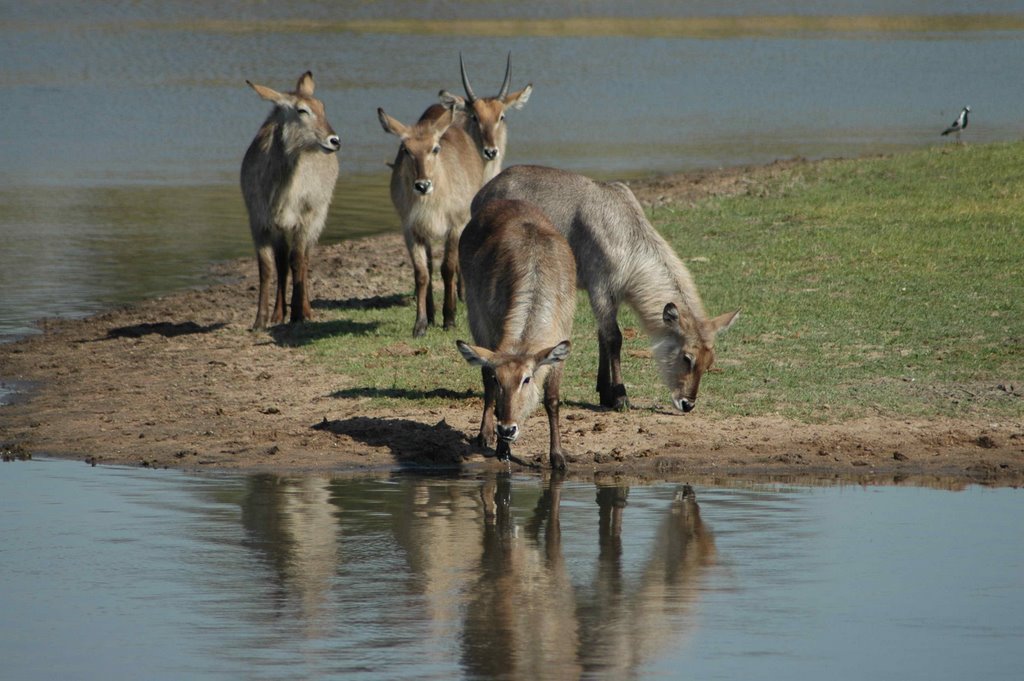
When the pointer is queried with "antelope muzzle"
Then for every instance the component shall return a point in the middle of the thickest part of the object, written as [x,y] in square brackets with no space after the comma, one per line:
[509,433]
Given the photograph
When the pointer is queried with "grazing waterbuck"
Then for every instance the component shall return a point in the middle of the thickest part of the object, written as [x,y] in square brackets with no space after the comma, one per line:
[433,179]
[620,258]
[288,178]
[484,117]
[520,287]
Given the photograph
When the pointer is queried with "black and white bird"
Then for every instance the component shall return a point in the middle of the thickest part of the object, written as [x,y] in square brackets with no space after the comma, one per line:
[959,124]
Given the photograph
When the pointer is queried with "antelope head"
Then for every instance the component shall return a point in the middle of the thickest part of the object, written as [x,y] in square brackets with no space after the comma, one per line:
[421,144]
[512,378]
[685,350]
[487,114]
[301,117]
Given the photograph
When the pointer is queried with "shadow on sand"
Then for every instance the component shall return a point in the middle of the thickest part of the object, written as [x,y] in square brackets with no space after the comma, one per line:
[371,303]
[297,335]
[165,329]
[402,393]
[411,443]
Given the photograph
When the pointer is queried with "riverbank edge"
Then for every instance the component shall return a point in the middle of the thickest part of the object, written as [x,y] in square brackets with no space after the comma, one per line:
[179,382]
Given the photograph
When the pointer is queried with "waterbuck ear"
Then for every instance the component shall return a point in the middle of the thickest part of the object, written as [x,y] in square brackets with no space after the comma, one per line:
[270,94]
[305,86]
[723,321]
[670,314]
[390,124]
[553,355]
[516,100]
[444,121]
[452,101]
[475,355]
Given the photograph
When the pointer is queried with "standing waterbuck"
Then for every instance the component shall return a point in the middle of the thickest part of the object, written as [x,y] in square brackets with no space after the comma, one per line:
[433,179]
[288,178]
[620,258]
[520,298]
[485,116]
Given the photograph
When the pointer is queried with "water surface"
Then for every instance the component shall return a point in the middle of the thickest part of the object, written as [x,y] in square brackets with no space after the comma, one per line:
[127,573]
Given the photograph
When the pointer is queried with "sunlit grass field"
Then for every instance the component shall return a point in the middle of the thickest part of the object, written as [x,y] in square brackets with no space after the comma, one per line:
[883,286]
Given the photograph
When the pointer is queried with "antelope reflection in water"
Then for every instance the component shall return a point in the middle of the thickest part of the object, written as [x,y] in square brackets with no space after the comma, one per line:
[530,618]
[293,525]
[482,583]
[627,622]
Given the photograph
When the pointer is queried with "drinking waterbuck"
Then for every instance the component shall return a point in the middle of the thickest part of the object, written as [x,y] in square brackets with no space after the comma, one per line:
[433,179]
[288,178]
[620,258]
[520,286]
[484,117]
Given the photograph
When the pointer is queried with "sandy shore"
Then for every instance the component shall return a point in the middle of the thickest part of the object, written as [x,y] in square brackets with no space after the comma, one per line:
[180,381]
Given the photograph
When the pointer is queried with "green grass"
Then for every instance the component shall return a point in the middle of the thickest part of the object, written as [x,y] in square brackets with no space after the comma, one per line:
[884,286]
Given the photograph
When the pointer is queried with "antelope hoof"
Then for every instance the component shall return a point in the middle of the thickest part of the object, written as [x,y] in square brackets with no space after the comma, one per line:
[482,440]
[557,461]
[615,398]
[420,328]
[449,324]
[619,400]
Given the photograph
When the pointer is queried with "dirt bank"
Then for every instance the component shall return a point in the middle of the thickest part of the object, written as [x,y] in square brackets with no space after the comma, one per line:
[179,381]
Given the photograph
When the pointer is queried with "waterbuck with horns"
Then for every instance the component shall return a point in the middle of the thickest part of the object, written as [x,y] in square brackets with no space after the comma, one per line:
[288,178]
[433,179]
[485,116]
[520,291]
[620,258]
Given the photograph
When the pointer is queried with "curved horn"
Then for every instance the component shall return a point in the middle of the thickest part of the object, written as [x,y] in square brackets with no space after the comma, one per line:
[470,97]
[508,78]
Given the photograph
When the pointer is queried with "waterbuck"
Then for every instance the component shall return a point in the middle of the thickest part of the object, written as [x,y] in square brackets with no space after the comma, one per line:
[288,178]
[485,116]
[520,286]
[433,179]
[620,258]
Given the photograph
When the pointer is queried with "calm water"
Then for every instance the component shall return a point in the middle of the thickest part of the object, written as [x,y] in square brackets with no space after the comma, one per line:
[123,573]
[125,123]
